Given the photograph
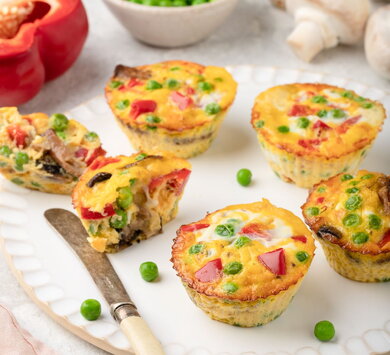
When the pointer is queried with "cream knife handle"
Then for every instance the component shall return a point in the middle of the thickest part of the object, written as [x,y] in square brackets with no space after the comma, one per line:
[141,337]
[136,330]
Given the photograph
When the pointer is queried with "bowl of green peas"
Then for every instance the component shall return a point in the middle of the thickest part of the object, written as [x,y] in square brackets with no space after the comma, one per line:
[171,23]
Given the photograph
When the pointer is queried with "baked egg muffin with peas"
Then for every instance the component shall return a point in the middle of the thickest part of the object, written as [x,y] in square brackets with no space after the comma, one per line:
[122,200]
[173,106]
[350,215]
[45,153]
[310,132]
[243,264]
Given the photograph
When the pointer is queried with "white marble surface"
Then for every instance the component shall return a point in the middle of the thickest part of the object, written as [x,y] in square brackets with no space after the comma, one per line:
[254,35]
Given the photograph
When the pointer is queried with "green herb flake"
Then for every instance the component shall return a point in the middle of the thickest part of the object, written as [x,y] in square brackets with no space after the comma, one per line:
[140,156]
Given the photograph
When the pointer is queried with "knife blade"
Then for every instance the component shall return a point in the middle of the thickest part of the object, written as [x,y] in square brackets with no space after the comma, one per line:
[123,309]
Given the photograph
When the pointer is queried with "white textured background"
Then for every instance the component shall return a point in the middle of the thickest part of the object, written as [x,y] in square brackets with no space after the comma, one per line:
[255,34]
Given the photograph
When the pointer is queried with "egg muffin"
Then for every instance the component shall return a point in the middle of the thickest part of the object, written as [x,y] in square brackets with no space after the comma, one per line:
[173,106]
[350,215]
[310,132]
[45,153]
[123,200]
[243,264]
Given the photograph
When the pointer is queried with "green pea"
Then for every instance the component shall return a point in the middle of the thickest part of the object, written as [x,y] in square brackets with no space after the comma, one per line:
[115,84]
[244,177]
[5,151]
[17,181]
[172,83]
[91,136]
[218,80]
[199,2]
[322,113]
[319,99]
[93,229]
[233,268]
[260,124]
[353,203]
[61,134]
[125,197]
[367,105]
[283,129]
[354,183]
[324,330]
[35,184]
[153,85]
[212,109]
[321,189]
[225,230]
[205,86]
[347,94]
[303,122]
[313,211]
[359,99]
[352,220]
[360,237]
[367,177]
[21,159]
[140,156]
[374,222]
[242,241]
[91,309]
[119,220]
[132,181]
[179,3]
[352,190]
[152,119]
[174,68]
[151,128]
[346,177]
[59,122]
[338,113]
[196,249]
[122,104]
[302,256]
[230,287]
[148,271]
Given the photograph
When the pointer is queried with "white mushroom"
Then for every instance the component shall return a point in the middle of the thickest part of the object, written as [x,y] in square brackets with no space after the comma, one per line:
[377,41]
[321,24]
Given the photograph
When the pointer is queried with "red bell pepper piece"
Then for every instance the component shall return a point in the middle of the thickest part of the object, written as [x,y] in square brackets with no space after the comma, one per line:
[46,44]
[81,153]
[345,126]
[190,91]
[300,238]
[320,199]
[274,261]
[255,231]
[180,100]
[210,272]
[100,163]
[142,106]
[300,110]
[17,135]
[194,227]
[321,125]
[311,143]
[176,181]
[133,82]
[385,239]
[99,151]
[86,213]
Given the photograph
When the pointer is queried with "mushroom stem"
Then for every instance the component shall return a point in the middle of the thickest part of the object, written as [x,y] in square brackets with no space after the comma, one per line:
[306,40]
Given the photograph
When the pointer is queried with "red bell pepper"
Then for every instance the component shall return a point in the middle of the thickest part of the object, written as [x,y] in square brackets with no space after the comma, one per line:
[321,125]
[100,163]
[44,44]
[18,135]
[86,213]
[300,238]
[180,100]
[194,227]
[300,110]
[176,181]
[254,231]
[385,239]
[210,272]
[274,261]
[142,106]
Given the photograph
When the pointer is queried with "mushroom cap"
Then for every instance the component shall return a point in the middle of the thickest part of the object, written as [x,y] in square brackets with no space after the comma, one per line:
[377,41]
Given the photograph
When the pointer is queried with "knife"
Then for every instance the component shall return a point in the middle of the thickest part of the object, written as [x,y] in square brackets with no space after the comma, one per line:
[124,311]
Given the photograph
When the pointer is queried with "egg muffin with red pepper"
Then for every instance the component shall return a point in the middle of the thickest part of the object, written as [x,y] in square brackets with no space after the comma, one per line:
[310,132]
[173,106]
[350,215]
[45,153]
[123,200]
[243,264]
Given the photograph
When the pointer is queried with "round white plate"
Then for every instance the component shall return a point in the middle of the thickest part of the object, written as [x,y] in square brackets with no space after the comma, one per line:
[54,277]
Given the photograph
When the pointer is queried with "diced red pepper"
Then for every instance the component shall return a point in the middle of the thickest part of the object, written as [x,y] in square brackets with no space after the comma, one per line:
[385,239]
[300,238]
[176,180]
[17,135]
[133,82]
[86,213]
[81,153]
[320,199]
[321,125]
[99,151]
[345,126]
[100,163]
[274,261]
[311,143]
[300,110]
[142,106]
[180,100]
[193,227]
[255,231]
[210,272]
[190,91]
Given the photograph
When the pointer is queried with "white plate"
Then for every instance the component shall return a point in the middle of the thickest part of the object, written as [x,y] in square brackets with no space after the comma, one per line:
[54,277]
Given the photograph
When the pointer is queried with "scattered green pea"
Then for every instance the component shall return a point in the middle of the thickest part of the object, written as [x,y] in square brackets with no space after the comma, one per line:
[302,256]
[352,220]
[233,268]
[140,156]
[148,271]
[5,151]
[353,203]
[324,330]
[321,189]
[91,136]
[115,84]
[347,94]
[212,109]
[152,119]
[122,104]
[360,237]
[91,309]
[59,122]
[313,211]
[17,181]
[367,105]
[283,129]
[367,177]
[125,197]
[338,113]
[319,99]
[225,230]
[322,113]
[172,83]
[374,222]
[352,190]
[205,86]
[21,159]
[241,241]
[303,122]
[259,124]
[61,134]
[196,249]
[153,85]
[346,177]
[119,220]
[244,177]
[230,287]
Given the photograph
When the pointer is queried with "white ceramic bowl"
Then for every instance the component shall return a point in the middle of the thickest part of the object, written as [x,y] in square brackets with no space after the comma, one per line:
[171,26]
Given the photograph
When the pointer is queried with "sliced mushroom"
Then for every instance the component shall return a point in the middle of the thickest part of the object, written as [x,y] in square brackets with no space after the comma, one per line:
[321,24]
[124,72]
[99,177]
[384,193]
[329,233]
